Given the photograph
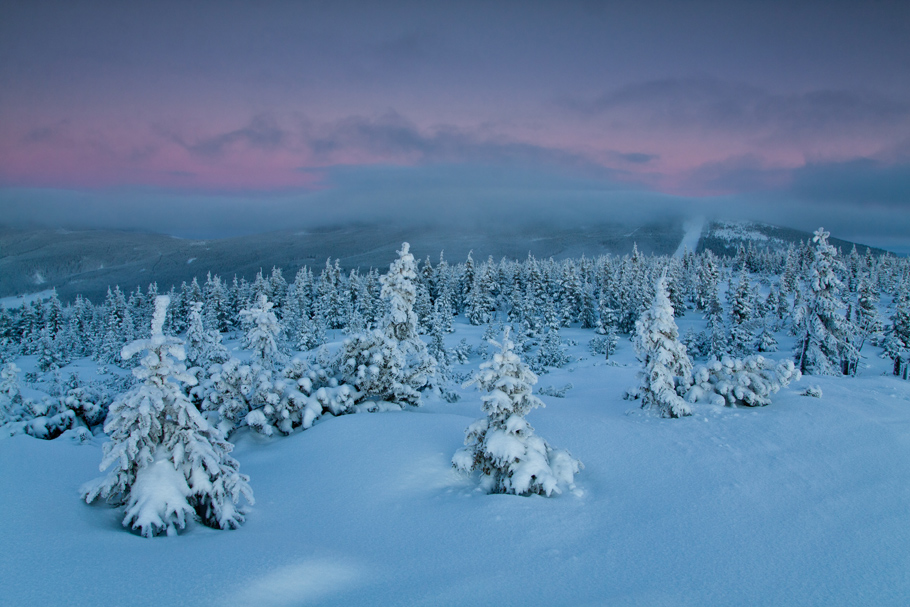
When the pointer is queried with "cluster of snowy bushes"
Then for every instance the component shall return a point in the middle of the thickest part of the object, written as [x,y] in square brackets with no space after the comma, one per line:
[747,382]
[70,405]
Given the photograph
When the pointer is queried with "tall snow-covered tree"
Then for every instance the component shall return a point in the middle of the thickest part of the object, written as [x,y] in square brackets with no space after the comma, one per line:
[10,392]
[741,312]
[391,363]
[665,362]
[278,288]
[824,335]
[216,313]
[480,302]
[329,302]
[168,464]
[118,326]
[203,346]
[399,290]
[262,335]
[897,339]
[502,446]
[676,288]
[51,350]
[868,323]
[552,352]
[80,327]
[466,285]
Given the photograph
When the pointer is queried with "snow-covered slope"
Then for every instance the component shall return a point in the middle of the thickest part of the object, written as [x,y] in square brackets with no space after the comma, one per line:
[803,502]
[725,238]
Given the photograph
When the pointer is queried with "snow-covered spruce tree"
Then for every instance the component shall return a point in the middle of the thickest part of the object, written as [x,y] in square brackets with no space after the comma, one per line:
[168,463]
[741,336]
[10,393]
[868,323]
[203,346]
[311,333]
[51,350]
[117,330]
[399,290]
[261,337]
[503,446]
[750,381]
[897,340]
[664,358]
[766,342]
[217,312]
[391,363]
[707,279]
[231,389]
[440,353]
[489,333]
[824,337]
[694,342]
[551,353]
[329,301]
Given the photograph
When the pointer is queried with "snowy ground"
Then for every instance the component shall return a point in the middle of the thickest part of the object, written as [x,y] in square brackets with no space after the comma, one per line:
[804,502]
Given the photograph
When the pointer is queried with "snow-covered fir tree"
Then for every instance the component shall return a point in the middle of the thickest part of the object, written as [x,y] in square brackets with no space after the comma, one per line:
[329,301]
[168,464]
[51,350]
[229,390]
[400,291]
[437,347]
[551,353]
[823,335]
[10,392]
[697,343]
[663,357]
[440,353]
[675,288]
[262,335]
[897,339]
[741,337]
[392,362]
[311,333]
[502,446]
[766,342]
[868,322]
[203,346]
[118,327]
[480,301]
[216,314]
[80,327]
[278,291]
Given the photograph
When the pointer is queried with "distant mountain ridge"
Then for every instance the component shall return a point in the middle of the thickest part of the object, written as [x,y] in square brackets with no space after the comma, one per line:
[86,262]
[725,238]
